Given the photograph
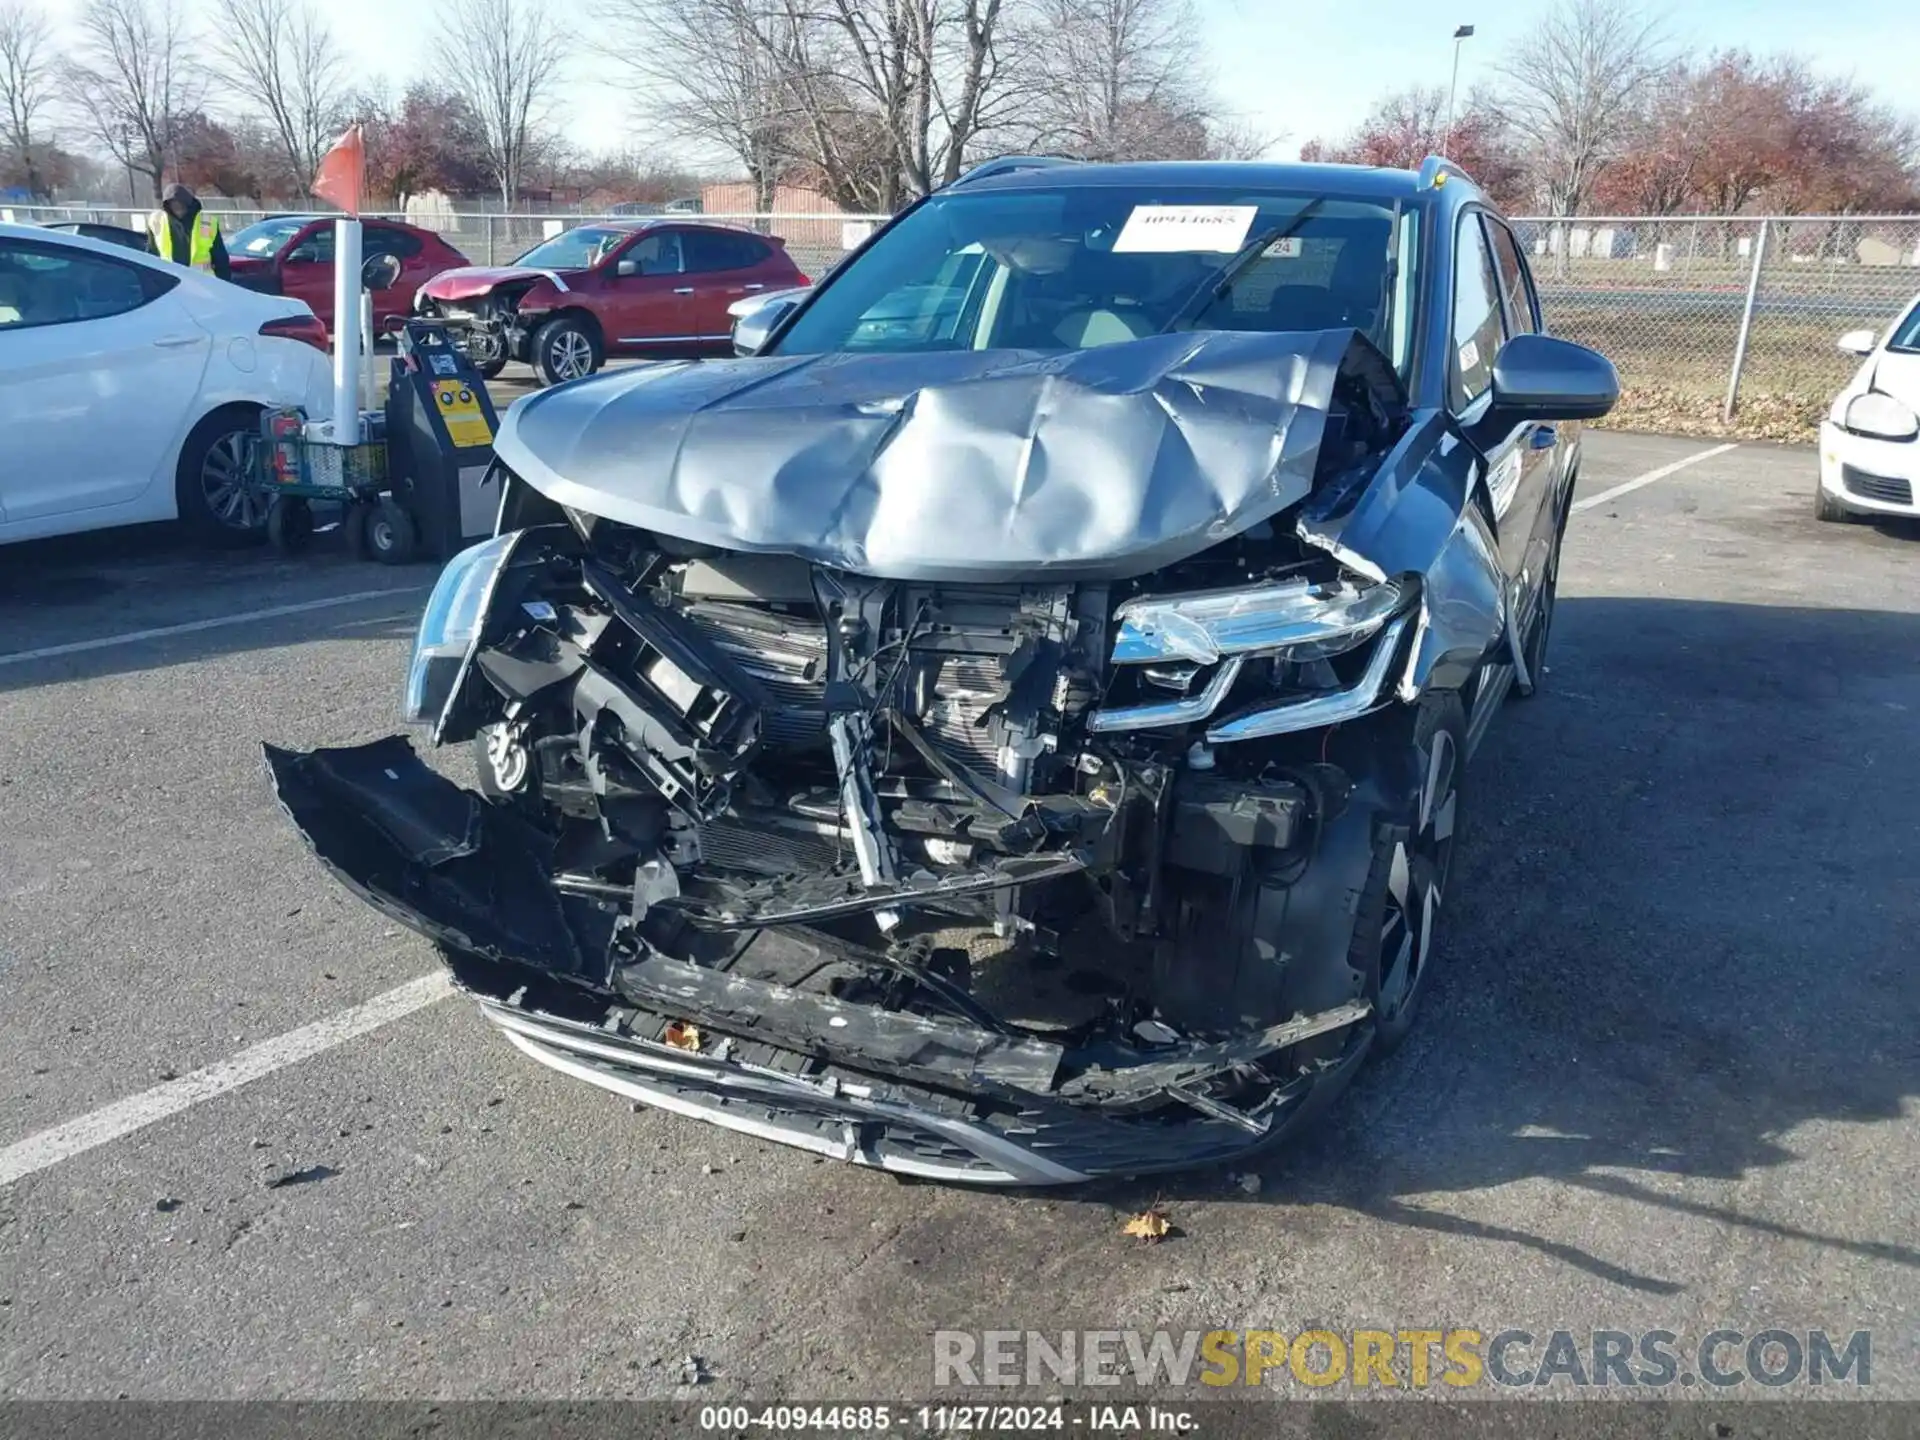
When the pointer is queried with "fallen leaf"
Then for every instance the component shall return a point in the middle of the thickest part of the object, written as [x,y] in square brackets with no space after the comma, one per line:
[1151,1226]
[682,1036]
[312,1175]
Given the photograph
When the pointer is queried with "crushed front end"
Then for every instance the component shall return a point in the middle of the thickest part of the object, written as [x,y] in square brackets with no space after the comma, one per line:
[996,881]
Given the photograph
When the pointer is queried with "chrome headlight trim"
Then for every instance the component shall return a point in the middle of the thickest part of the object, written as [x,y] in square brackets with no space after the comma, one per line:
[450,629]
[1203,627]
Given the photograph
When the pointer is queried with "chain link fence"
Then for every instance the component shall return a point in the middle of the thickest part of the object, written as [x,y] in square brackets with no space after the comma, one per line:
[1706,317]
[1670,300]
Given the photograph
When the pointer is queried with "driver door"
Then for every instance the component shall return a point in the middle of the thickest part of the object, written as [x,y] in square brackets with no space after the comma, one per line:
[643,306]
[306,269]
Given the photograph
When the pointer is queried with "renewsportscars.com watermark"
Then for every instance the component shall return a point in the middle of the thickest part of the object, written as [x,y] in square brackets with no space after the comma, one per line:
[1403,1359]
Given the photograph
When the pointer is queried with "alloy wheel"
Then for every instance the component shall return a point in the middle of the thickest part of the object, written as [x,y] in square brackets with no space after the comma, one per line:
[1417,881]
[227,482]
[570,355]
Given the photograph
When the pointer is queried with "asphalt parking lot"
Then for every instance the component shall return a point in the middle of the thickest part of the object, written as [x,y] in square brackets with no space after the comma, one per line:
[1667,1077]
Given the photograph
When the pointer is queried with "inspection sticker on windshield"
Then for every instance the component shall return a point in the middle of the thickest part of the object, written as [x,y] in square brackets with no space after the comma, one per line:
[1287,247]
[1171,229]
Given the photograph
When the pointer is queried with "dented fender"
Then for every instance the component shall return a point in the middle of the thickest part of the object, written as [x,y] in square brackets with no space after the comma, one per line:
[1417,516]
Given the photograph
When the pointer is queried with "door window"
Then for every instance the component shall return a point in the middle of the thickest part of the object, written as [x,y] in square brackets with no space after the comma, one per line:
[1476,330]
[1523,313]
[655,254]
[379,240]
[315,249]
[714,250]
[45,285]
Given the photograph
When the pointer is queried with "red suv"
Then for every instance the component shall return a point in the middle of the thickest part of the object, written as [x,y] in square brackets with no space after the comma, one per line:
[293,255]
[658,287]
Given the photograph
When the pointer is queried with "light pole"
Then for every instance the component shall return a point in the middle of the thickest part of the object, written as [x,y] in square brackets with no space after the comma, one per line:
[1460,35]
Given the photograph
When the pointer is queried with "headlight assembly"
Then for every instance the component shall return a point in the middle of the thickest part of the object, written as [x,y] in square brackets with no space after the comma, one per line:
[450,628]
[1300,619]
[1880,417]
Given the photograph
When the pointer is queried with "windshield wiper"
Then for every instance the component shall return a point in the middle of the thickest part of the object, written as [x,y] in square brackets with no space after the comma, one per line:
[1214,286]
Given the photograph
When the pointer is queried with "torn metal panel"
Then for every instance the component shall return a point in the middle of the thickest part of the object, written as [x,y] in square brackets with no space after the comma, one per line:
[949,465]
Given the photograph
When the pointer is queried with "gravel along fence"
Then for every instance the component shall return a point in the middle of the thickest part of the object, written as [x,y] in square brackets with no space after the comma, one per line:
[1669,299]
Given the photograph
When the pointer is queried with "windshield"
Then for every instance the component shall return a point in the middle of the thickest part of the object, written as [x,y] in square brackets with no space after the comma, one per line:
[1091,265]
[265,237]
[576,250]
[1906,334]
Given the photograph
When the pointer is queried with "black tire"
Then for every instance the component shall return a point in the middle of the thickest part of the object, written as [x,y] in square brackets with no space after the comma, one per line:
[214,489]
[290,525]
[566,349]
[1826,508]
[389,532]
[490,369]
[1396,920]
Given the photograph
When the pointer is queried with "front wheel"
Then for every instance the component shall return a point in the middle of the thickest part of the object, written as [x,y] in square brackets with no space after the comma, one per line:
[565,349]
[1398,917]
[388,532]
[1826,508]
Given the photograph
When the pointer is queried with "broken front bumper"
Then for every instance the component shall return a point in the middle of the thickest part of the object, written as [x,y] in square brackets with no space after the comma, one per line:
[941,1098]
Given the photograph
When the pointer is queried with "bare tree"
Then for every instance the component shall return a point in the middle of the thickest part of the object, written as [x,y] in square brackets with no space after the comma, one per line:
[507,57]
[26,87]
[1121,80]
[281,56]
[132,80]
[710,72]
[1579,82]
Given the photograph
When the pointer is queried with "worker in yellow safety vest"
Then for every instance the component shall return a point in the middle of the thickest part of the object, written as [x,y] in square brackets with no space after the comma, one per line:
[182,232]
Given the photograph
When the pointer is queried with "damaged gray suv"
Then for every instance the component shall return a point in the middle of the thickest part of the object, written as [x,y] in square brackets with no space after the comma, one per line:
[1010,724]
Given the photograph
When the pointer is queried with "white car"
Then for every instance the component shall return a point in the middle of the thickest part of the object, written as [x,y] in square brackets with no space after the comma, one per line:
[1870,440]
[131,390]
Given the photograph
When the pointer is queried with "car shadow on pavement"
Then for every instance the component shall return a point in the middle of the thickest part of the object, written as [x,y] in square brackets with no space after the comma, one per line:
[1682,929]
[80,590]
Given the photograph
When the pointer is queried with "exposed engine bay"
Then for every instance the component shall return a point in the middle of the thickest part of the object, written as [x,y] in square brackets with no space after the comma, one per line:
[1012,881]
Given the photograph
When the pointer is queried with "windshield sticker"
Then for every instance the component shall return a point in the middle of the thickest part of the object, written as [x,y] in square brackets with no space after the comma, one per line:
[1171,229]
[1285,249]
[1469,355]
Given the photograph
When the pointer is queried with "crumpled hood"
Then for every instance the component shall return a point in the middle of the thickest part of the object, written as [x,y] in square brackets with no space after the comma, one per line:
[467,282]
[972,465]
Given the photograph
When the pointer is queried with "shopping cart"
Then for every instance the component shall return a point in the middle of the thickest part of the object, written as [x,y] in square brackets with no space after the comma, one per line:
[295,473]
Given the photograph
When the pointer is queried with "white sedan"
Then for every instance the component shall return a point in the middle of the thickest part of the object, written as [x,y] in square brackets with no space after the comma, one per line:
[131,390]
[1870,440]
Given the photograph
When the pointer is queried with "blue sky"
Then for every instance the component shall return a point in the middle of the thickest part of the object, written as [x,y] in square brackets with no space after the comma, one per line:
[1313,69]
[1294,70]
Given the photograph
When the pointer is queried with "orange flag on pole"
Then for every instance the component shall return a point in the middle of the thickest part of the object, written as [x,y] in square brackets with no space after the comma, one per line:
[342,175]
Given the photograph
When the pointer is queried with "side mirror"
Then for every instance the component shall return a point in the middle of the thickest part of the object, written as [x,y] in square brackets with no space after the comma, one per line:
[752,330]
[1859,342]
[393,325]
[380,272]
[626,268]
[1538,377]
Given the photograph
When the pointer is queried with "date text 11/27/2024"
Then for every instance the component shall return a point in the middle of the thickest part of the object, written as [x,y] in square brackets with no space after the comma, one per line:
[942,1419]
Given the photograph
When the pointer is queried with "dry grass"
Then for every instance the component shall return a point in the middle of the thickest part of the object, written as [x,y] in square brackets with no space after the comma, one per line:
[1674,367]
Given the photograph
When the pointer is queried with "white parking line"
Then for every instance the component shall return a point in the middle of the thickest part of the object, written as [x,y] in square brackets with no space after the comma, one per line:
[1652,475]
[123,1117]
[189,627]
